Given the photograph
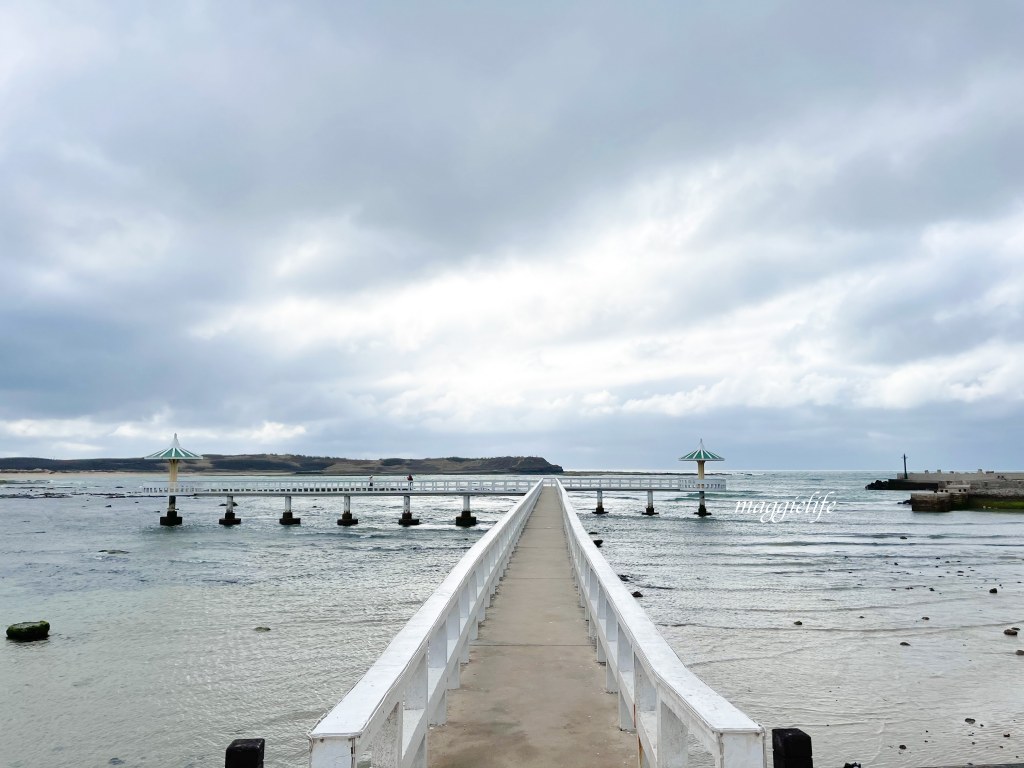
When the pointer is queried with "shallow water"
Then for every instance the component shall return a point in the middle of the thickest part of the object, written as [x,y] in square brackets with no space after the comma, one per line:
[727,590]
[153,658]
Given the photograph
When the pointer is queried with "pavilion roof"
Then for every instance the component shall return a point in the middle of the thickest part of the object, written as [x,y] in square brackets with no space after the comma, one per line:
[174,452]
[701,454]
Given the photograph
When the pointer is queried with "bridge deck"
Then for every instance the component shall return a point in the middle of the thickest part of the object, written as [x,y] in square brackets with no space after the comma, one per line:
[534,694]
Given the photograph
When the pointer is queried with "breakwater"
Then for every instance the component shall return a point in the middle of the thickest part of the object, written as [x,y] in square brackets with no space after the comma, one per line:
[958,490]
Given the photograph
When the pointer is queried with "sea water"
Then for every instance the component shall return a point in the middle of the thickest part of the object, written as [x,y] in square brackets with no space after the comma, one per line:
[154,658]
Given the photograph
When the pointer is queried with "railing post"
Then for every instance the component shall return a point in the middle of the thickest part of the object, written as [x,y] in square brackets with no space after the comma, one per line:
[672,735]
[452,623]
[331,753]
[598,624]
[437,662]
[611,630]
[387,748]
[464,619]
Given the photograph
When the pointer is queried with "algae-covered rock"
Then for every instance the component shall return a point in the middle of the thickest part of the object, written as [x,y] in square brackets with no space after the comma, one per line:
[26,631]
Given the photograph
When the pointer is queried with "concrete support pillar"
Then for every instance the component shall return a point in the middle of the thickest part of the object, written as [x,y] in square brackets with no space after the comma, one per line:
[466,519]
[229,515]
[702,511]
[650,504]
[171,518]
[407,519]
[346,518]
[600,503]
[286,518]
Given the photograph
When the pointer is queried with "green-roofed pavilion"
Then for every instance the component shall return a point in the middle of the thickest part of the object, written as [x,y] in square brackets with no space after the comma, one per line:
[172,456]
[700,455]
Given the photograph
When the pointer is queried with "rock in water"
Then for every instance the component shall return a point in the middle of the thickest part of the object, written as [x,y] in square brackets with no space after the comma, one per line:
[29,630]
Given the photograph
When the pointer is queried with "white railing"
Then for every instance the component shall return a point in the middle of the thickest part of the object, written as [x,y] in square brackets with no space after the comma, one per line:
[387,713]
[641,483]
[659,698]
[329,486]
[395,485]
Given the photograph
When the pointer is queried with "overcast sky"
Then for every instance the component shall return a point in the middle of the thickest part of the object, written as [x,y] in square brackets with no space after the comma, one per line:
[592,232]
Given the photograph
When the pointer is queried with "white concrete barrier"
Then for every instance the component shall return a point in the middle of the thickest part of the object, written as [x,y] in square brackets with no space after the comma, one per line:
[659,698]
[383,720]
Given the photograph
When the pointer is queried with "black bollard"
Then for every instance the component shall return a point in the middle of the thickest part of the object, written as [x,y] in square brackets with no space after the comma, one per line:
[465,520]
[244,753]
[346,519]
[288,519]
[229,519]
[407,519]
[791,748]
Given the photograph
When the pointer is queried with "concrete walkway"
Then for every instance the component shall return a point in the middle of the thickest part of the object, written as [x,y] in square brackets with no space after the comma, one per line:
[533,693]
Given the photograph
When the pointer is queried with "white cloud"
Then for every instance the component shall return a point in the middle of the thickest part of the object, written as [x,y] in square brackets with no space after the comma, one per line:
[313,230]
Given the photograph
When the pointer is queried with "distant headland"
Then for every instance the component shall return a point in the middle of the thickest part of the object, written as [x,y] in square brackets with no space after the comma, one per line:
[274,463]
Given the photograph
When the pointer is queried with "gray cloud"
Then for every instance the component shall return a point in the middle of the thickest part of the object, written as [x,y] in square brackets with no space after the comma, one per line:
[586,231]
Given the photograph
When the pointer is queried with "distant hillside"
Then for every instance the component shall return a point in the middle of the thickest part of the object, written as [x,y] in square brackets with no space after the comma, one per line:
[263,463]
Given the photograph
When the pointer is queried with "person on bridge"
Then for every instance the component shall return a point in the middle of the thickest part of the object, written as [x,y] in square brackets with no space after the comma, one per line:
[370,482]
[409,480]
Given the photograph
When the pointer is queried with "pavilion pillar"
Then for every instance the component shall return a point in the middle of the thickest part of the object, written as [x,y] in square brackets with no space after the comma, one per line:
[600,503]
[702,511]
[287,518]
[466,519]
[407,519]
[346,518]
[171,518]
[229,518]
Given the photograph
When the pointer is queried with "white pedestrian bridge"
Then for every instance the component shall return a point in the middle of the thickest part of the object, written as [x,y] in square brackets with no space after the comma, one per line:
[659,710]
[387,485]
[400,486]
